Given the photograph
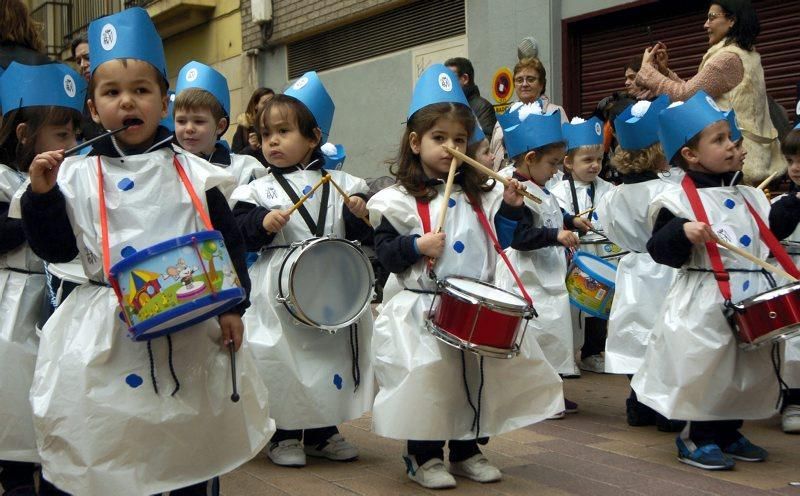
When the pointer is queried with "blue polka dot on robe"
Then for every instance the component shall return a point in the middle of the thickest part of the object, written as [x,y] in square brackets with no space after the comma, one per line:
[128,251]
[730,203]
[458,246]
[125,184]
[745,240]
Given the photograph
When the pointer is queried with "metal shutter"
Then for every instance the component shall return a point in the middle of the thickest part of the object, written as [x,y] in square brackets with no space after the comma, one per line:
[598,47]
[391,31]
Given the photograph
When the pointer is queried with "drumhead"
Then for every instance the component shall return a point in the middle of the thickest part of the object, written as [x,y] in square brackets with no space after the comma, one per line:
[596,267]
[70,271]
[485,291]
[332,281]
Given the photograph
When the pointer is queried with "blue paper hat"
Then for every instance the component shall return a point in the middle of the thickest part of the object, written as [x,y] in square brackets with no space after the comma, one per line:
[312,93]
[129,34]
[736,133]
[197,75]
[680,123]
[437,84]
[169,121]
[638,132]
[41,85]
[587,133]
[534,131]
[334,161]
[477,134]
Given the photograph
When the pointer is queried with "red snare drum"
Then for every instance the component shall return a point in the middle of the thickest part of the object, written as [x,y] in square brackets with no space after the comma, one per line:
[768,317]
[475,316]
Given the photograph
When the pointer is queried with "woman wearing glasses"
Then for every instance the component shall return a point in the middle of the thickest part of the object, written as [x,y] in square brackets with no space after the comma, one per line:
[731,73]
[530,82]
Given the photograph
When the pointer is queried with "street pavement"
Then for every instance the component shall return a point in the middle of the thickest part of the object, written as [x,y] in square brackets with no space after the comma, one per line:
[593,452]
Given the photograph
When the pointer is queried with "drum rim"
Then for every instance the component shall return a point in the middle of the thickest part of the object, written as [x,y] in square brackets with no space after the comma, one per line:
[775,336]
[54,270]
[291,303]
[482,350]
[576,259]
[161,247]
[493,304]
[779,291]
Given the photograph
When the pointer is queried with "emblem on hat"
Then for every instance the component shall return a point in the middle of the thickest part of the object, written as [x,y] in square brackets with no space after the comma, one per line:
[69,86]
[108,37]
[445,83]
[300,83]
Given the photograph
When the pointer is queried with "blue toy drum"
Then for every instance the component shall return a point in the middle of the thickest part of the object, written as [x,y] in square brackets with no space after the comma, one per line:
[175,284]
[590,284]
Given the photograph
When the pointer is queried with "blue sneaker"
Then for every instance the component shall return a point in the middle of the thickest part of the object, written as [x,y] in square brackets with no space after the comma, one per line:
[708,456]
[743,449]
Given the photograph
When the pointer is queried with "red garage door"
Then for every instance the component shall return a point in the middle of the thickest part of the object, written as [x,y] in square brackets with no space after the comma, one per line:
[597,47]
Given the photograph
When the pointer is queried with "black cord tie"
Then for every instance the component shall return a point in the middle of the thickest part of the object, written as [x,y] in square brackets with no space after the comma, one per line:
[783,388]
[172,367]
[354,354]
[475,411]
[152,366]
[478,413]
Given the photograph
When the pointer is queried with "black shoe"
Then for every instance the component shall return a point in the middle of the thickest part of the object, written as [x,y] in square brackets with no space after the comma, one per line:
[664,424]
[638,414]
[21,491]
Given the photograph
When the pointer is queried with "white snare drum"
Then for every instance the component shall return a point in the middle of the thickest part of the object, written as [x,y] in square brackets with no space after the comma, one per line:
[326,283]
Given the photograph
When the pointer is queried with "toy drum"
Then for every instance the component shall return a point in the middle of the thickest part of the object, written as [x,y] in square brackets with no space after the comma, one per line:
[175,284]
[601,247]
[326,283]
[768,317]
[475,316]
[590,284]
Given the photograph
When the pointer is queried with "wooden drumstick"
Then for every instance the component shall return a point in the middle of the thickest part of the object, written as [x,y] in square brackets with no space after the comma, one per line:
[306,196]
[766,181]
[346,198]
[587,211]
[489,172]
[448,189]
[749,256]
[235,395]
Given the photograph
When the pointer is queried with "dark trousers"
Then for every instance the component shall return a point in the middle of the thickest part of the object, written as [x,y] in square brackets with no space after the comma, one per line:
[17,475]
[595,331]
[791,397]
[310,437]
[459,450]
[207,488]
[720,432]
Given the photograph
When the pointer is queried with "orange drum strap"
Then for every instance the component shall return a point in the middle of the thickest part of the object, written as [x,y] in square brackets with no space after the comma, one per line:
[720,274]
[488,229]
[198,205]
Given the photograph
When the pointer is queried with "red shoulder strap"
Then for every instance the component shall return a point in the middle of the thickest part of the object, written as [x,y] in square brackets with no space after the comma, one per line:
[720,274]
[773,244]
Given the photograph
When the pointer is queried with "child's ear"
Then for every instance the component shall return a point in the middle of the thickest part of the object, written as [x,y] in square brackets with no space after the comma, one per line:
[414,142]
[530,158]
[689,155]
[317,136]
[93,111]
[164,106]
[22,132]
[567,162]
[221,126]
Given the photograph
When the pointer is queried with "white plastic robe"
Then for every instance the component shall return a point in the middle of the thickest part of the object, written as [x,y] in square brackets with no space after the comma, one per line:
[309,370]
[21,299]
[101,428]
[543,272]
[422,392]
[693,368]
[673,175]
[791,357]
[641,283]
[244,170]
[563,194]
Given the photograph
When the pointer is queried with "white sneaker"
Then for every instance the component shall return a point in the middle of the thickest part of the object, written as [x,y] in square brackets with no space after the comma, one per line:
[287,453]
[790,420]
[558,416]
[335,448]
[594,363]
[476,468]
[432,474]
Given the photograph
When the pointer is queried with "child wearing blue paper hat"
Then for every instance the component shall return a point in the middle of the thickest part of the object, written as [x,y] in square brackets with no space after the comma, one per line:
[536,145]
[100,428]
[641,283]
[42,112]
[201,114]
[581,190]
[417,400]
[321,379]
[694,368]
[790,203]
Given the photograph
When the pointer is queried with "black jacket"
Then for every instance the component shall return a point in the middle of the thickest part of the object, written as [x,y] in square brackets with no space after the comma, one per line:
[482,108]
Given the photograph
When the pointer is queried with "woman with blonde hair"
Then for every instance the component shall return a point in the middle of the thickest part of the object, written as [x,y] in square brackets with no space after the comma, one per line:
[20,37]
